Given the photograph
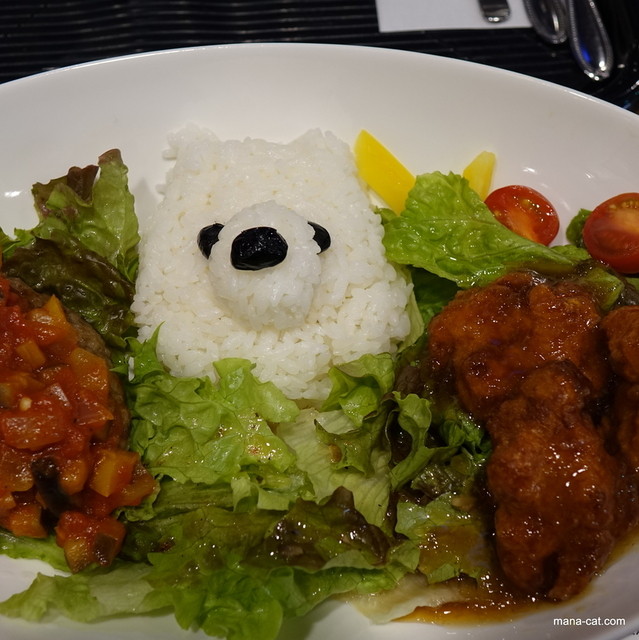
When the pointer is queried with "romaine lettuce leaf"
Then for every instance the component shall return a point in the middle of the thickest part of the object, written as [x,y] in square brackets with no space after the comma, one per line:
[447,230]
[432,293]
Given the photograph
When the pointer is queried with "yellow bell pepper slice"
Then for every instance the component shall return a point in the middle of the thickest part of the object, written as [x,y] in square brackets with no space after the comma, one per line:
[382,171]
[479,173]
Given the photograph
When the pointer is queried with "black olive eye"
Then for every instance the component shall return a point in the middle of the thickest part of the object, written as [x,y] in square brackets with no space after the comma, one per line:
[322,237]
[207,237]
[258,248]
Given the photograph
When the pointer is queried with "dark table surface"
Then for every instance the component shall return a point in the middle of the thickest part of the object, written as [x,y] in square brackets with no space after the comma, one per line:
[36,36]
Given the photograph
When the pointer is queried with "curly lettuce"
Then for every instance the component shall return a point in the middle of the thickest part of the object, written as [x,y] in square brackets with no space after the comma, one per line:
[266,509]
[84,247]
[254,522]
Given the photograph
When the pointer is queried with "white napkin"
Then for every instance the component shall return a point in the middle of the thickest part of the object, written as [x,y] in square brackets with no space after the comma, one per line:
[418,15]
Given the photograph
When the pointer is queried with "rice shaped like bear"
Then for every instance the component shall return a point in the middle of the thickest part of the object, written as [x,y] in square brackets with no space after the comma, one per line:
[271,252]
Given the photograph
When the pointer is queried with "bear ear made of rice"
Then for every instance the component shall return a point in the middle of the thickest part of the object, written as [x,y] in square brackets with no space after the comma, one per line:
[322,236]
[258,247]
[207,237]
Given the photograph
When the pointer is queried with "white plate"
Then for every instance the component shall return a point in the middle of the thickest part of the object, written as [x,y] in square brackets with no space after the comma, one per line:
[434,113]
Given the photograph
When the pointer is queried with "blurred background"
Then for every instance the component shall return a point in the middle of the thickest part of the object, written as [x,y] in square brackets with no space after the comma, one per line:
[37,36]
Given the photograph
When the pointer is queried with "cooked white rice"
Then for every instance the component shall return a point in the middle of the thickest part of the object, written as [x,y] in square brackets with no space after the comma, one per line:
[358,299]
[280,296]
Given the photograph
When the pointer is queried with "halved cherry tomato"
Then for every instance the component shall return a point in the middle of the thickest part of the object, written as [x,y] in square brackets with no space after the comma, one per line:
[611,232]
[525,211]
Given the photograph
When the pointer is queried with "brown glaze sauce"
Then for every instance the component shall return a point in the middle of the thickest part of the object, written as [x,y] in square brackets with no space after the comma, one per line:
[494,602]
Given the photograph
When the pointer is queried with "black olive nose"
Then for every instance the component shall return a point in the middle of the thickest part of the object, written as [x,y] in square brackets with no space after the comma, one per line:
[258,248]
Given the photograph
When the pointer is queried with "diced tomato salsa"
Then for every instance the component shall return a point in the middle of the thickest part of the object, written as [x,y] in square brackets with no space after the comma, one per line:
[63,465]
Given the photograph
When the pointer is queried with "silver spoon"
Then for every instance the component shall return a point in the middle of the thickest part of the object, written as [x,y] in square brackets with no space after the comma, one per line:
[548,18]
[588,39]
[495,10]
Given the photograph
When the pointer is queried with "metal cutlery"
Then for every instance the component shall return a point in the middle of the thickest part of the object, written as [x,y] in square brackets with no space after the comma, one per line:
[495,10]
[589,39]
[548,18]
[556,21]
[622,20]
[579,22]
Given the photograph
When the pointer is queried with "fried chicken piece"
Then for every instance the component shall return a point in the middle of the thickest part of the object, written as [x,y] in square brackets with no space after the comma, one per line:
[553,484]
[527,357]
[488,339]
[621,327]
[621,425]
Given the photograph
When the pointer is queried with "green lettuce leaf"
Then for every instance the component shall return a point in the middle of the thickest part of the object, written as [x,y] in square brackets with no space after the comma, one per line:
[574,231]
[452,533]
[81,279]
[432,293]
[98,212]
[415,419]
[453,539]
[86,597]
[447,230]
[314,437]
[357,387]
[239,575]
[239,537]
[33,549]
[190,429]
[84,248]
